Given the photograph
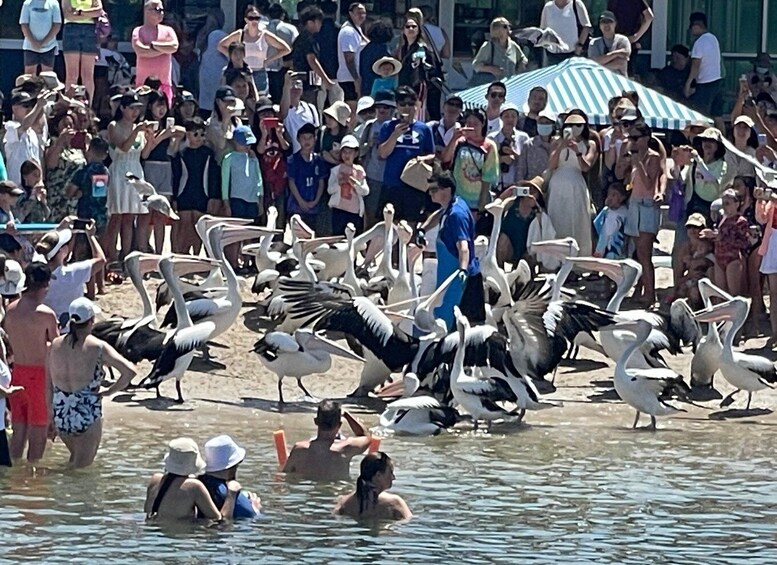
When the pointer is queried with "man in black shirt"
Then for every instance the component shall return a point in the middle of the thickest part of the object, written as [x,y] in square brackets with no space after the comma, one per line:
[306,55]
[673,77]
[327,38]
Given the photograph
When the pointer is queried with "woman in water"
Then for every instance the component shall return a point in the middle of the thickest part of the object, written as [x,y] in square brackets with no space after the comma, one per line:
[371,499]
[75,366]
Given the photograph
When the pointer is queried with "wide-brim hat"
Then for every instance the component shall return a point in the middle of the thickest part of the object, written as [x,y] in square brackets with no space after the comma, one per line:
[574,120]
[52,81]
[537,183]
[711,134]
[222,453]
[339,112]
[13,279]
[183,458]
[396,65]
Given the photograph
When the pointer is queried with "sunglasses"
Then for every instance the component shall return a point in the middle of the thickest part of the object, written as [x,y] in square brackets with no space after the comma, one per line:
[157,10]
[405,104]
[253,18]
[496,95]
[411,27]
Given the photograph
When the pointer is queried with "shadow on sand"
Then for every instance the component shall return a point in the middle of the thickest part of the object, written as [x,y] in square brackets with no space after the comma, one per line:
[736,413]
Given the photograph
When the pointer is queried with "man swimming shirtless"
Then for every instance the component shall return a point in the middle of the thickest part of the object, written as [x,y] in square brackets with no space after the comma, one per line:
[31,326]
[327,457]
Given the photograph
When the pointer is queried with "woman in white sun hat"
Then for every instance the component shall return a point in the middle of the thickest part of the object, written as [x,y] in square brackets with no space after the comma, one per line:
[222,458]
[177,495]
[75,364]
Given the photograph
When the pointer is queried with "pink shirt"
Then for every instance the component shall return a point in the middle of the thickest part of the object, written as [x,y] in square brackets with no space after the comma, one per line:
[160,66]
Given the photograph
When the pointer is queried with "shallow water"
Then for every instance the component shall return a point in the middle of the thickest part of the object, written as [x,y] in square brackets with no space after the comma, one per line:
[571,494]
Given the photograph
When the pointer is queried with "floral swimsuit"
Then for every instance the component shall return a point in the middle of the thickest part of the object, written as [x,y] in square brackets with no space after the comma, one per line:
[75,412]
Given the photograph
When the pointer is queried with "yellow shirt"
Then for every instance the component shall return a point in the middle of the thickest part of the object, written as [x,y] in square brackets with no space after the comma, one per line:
[80,5]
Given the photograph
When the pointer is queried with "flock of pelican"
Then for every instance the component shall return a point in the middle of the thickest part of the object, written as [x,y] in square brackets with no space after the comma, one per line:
[359,297]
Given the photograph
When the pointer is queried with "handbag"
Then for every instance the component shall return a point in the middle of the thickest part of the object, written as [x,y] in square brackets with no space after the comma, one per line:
[417,172]
[102,27]
[676,201]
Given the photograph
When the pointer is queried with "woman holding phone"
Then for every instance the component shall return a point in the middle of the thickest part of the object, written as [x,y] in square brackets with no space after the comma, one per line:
[127,137]
[158,152]
[64,156]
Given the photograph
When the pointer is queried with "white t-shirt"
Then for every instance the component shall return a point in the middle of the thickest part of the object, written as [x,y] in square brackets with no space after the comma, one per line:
[707,48]
[349,40]
[20,148]
[40,16]
[494,125]
[297,117]
[67,284]
[564,23]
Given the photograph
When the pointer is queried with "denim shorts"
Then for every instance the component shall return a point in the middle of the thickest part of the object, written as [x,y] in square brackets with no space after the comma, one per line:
[79,38]
[644,217]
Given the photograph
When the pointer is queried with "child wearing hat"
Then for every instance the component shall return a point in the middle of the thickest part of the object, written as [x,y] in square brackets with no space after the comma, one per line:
[610,224]
[335,127]
[347,188]
[694,262]
[387,69]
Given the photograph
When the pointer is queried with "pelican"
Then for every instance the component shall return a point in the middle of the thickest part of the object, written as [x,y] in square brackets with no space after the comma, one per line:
[471,393]
[745,372]
[299,356]
[150,198]
[385,275]
[494,278]
[180,345]
[645,389]
[417,415]
[706,360]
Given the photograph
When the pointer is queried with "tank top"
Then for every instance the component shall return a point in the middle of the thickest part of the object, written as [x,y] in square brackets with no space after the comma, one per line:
[256,51]
[80,5]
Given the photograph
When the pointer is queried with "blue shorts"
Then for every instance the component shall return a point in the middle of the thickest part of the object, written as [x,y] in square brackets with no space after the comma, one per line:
[644,217]
[79,38]
[242,209]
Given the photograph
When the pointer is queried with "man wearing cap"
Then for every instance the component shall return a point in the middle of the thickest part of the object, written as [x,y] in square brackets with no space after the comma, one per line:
[22,140]
[444,129]
[374,166]
[611,50]
[704,80]
[154,45]
[570,20]
[672,78]
[40,21]
[537,102]
[510,142]
[222,458]
[31,326]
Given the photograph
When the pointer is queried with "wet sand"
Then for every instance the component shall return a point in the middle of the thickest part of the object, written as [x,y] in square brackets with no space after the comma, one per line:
[236,386]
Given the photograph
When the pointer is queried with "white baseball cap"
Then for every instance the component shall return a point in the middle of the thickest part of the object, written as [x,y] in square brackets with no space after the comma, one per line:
[82,310]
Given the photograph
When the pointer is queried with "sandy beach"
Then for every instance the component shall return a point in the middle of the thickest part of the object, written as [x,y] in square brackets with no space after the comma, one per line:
[235,382]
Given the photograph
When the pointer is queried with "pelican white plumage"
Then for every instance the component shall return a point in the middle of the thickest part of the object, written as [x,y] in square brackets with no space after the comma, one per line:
[298,356]
[645,390]
[417,415]
[706,359]
[745,372]
[180,344]
[494,277]
[150,198]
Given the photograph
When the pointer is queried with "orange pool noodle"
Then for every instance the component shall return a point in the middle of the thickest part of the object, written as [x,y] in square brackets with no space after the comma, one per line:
[374,445]
[279,437]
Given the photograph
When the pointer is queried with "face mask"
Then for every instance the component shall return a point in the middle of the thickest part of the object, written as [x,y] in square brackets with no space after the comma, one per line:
[544,129]
[762,70]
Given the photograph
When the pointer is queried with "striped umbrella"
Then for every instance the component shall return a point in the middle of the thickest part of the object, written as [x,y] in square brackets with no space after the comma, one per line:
[582,83]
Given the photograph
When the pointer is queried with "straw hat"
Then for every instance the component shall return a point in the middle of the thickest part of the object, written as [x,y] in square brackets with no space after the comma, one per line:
[183,458]
[396,65]
[574,119]
[222,453]
[537,183]
[339,112]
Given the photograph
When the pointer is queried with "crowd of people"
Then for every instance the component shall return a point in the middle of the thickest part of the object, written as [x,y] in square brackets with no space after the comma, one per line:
[332,123]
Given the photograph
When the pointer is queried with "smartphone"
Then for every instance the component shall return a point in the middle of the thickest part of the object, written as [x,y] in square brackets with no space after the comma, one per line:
[80,224]
[270,123]
[567,133]
[78,140]
[154,125]
[761,139]
[314,79]
[170,123]
[520,191]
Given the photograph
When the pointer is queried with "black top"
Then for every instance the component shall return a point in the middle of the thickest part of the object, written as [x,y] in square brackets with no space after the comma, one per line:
[304,44]
[327,39]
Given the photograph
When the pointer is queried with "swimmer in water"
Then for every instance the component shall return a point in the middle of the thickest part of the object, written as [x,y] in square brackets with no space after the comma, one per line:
[371,499]
[327,457]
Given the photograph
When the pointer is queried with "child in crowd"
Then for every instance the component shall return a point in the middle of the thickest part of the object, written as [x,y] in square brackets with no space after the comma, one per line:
[9,196]
[387,68]
[331,134]
[610,224]
[272,149]
[365,111]
[732,238]
[241,182]
[186,108]
[90,185]
[694,262]
[31,207]
[307,176]
[347,187]
[195,179]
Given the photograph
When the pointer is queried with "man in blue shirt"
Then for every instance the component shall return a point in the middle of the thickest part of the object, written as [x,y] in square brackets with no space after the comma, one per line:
[400,140]
[455,251]
[222,458]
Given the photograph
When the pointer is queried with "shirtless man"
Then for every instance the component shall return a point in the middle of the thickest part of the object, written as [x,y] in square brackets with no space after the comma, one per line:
[31,326]
[176,495]
[327,457]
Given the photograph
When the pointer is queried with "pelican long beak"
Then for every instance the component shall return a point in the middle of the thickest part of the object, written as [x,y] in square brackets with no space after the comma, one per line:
[435,299]
[188,264]
[301,229]
[392,390]
[394,305]
[148,263]
[725,311]
[707,290]
[559,248]
[236,234]
[397,316]
[310,244]
[613,269]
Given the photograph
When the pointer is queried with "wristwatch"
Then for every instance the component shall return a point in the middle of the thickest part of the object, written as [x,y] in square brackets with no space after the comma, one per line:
[79,12]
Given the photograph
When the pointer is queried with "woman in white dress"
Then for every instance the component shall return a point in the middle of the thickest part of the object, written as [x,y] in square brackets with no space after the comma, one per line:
[127,137]
[569,201]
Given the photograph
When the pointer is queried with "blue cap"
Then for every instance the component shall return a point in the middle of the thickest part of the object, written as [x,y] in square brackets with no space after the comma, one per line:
[243,135]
